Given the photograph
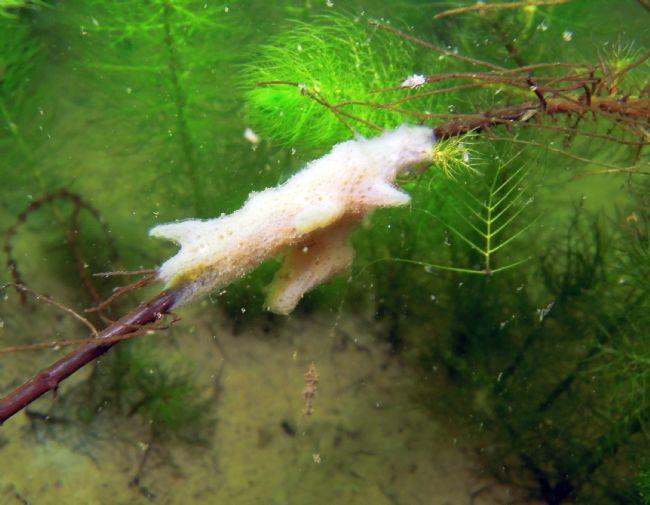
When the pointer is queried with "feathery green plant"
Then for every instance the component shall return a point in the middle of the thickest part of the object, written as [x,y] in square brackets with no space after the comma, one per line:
[19,55]
[136,380]
[332,61]
[160,59]
[10,8]
[482,221]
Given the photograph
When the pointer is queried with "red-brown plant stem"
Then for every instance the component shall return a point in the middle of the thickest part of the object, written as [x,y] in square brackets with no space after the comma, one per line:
[50,378]
[632,110]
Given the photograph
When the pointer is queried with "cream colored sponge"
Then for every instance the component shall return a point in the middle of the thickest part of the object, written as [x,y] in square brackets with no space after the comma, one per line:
[309,218]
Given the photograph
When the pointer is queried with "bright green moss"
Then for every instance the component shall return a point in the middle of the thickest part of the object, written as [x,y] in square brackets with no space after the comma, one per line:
[337,59]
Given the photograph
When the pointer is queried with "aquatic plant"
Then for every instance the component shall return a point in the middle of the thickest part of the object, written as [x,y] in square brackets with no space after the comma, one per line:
[334,59]
[644,487]
[484,222]
[577,338]
[166,51]
[9,8]
[20,53]
[558,89]
[136,381]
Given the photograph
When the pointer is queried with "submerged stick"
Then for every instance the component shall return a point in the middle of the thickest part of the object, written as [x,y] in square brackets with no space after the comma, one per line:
[50,378]
[498,6]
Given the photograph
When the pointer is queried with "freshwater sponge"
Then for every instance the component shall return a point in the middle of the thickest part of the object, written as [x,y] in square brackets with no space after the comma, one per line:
[309,218]
[336,58]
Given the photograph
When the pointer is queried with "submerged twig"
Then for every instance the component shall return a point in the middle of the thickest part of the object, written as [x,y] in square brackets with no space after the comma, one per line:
[121,291]
[56,344]
[24,289]
[49,379]
[481,7]
[142,271]
[79,203]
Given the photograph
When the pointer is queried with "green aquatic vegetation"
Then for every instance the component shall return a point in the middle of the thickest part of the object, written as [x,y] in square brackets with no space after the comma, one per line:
[136,382]
[24,146]
[644,487]
[470,224]
[516,36]
[528,355]
[20,53]
[332,61]
[160,58]
[10,8]
[530,34]
[488,222]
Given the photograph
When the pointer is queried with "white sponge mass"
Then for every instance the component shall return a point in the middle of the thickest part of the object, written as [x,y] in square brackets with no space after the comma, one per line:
[309,219]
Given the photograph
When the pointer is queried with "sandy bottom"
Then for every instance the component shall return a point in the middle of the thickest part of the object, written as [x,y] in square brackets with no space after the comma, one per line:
[368,441]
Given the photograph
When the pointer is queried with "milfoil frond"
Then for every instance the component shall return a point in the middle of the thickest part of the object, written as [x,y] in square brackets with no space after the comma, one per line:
[486,220]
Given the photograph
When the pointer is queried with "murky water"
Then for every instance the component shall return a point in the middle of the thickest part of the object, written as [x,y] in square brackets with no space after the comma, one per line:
[489,342]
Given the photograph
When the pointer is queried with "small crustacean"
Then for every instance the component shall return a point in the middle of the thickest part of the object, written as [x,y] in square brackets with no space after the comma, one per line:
[309,219]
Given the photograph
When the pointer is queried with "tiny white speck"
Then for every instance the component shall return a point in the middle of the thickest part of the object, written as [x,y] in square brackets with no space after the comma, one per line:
[251,136]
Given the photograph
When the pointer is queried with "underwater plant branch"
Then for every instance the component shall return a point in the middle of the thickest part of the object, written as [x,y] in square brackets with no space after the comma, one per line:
[115,273]
[322,101]
[147,329]
[481,7]
[180,102]
[608,167]
[79,203]
[633,111]
[24,289]
[461,270]
[584,89]
[49,379]
[630,170]
[121,291]
[437,49]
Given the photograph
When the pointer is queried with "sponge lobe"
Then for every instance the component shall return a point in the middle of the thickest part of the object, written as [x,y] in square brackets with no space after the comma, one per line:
[309,218]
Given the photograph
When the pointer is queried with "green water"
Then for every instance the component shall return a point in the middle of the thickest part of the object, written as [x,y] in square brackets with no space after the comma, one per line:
[436,385]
